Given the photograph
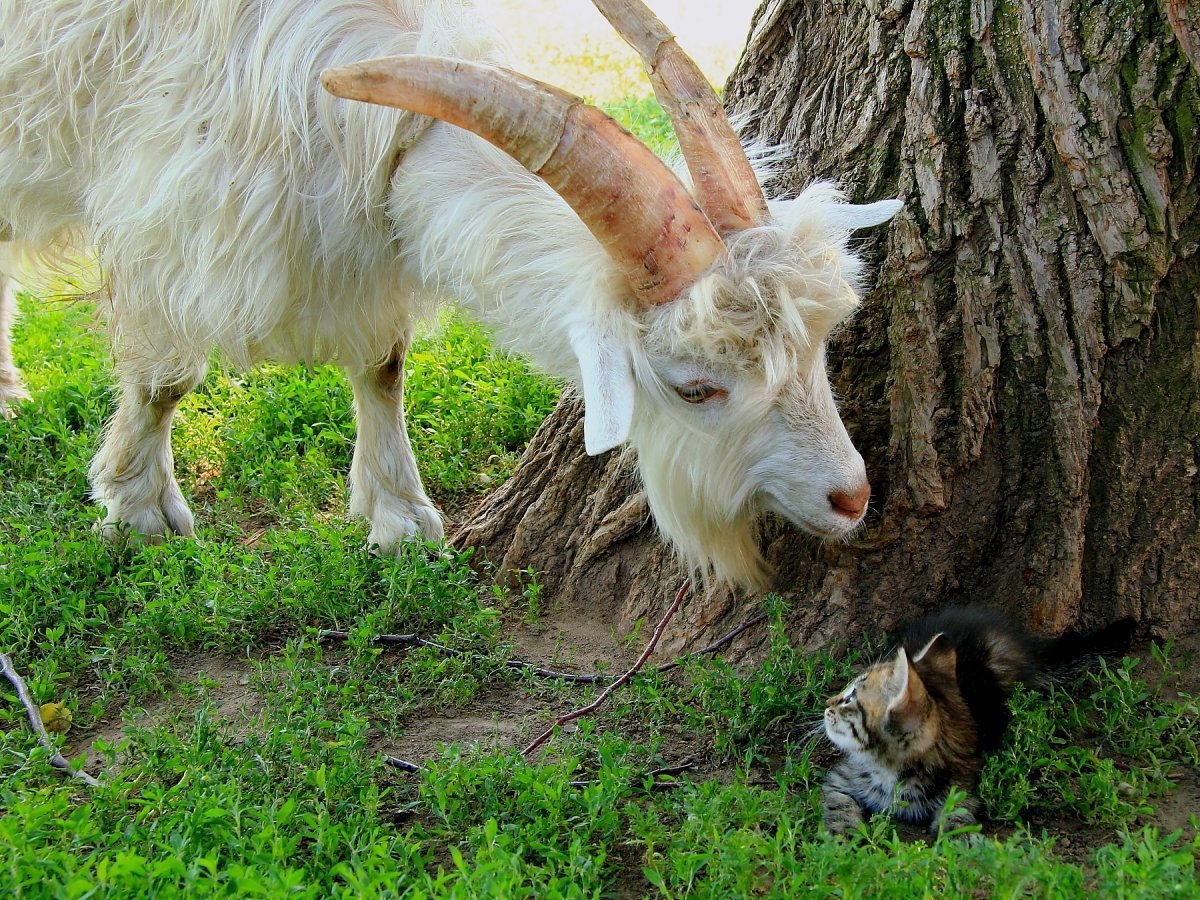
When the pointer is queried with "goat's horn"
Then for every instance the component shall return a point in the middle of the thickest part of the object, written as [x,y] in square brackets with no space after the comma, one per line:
[634,205]
[726,186]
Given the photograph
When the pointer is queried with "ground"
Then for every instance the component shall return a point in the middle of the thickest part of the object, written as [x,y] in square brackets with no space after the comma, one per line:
[499,719]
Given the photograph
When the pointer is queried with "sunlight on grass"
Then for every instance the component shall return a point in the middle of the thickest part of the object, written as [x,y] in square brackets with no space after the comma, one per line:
[569,44]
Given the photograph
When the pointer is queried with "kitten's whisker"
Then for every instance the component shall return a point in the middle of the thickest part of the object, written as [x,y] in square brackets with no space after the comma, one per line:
[807,725]
[810,736]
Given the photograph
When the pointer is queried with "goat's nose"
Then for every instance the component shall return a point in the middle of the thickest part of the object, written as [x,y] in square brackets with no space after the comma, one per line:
[851,504]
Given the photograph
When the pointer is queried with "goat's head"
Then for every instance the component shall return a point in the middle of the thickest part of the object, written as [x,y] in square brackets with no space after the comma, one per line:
[712,363]
[734,410]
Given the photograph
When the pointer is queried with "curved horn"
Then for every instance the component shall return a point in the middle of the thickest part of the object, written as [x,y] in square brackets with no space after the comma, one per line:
[628,198]
[726,186]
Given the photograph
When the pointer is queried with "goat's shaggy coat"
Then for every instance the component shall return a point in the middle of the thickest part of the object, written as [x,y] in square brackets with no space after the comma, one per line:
[233,203]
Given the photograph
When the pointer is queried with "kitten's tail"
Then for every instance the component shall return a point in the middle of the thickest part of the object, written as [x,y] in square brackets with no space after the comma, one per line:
[1072,648]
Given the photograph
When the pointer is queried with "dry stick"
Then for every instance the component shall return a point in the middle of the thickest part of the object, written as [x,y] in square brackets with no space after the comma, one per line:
[402,764]
[591,707]
[414,640]
[715,646]
[35,719]
[687,765]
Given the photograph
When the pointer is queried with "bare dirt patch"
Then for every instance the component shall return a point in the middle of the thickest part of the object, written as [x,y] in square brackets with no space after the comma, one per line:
[1177,810]
[572,642]
[220,679]
[496,718]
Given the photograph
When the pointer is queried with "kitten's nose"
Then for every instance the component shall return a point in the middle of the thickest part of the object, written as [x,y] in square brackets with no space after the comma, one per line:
[832,701]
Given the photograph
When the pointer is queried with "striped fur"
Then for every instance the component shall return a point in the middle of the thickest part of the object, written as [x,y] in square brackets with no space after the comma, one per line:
[920,723]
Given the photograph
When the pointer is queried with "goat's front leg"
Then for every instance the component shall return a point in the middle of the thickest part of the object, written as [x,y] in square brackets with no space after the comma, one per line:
[385,486]
[11,387]
[133,475]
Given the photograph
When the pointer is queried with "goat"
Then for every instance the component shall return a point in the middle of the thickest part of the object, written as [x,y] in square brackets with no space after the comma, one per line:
[235,204]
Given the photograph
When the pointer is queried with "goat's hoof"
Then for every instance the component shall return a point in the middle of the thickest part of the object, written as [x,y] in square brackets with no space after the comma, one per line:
[11,393]
[147,526]
[403,524]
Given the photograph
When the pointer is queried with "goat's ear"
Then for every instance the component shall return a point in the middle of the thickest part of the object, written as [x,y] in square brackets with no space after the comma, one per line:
[853,216]
[607,376]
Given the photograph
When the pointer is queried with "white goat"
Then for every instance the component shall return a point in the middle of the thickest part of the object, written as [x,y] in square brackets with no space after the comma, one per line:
[235,203]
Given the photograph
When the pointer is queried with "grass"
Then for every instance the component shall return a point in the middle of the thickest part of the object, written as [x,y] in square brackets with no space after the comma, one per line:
[291,797]
[294,798]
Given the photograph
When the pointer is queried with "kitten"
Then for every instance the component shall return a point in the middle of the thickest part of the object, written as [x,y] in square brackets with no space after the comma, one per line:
[918,724]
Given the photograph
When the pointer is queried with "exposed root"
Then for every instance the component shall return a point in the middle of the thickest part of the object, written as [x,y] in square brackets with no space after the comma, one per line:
[595,704]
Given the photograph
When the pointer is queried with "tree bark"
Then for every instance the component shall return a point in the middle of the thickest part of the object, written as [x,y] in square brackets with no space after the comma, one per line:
[1022,379]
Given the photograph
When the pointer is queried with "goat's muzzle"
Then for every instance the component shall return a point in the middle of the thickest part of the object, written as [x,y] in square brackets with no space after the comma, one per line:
[853,503]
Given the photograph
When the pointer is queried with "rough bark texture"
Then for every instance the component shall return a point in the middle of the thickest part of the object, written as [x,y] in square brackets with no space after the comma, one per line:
[1022,379]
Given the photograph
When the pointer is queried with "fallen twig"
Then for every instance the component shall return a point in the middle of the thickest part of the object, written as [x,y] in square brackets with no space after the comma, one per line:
[687,765]
[402,764]
[591,707]
[414,640]
[57,760]
[715,646]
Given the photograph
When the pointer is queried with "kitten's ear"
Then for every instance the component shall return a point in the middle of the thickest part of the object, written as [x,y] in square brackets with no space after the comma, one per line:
[898,679]
[908,695]
[938,655]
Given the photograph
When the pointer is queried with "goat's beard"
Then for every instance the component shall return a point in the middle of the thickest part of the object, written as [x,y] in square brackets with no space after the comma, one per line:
[717,548]
[714,532]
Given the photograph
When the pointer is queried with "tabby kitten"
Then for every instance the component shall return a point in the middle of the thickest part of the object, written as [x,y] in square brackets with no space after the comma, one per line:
[918,724]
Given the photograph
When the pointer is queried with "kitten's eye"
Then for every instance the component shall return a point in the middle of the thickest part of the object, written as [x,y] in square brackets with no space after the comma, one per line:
[701,392]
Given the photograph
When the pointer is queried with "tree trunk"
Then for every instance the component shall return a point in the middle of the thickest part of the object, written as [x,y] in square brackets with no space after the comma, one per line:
[1022,379]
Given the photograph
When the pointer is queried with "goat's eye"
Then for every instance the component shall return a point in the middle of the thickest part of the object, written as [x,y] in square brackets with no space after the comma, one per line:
[700,392]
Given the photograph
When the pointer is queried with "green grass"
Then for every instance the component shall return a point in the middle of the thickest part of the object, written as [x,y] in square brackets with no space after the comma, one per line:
[293,797]
[645,118]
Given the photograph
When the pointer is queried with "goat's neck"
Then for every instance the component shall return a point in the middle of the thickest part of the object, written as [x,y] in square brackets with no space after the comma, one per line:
[474,226]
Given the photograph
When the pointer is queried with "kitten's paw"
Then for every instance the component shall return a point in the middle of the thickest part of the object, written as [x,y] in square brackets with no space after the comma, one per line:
[966,835]
[840,810]
[959,824]
[840,823]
